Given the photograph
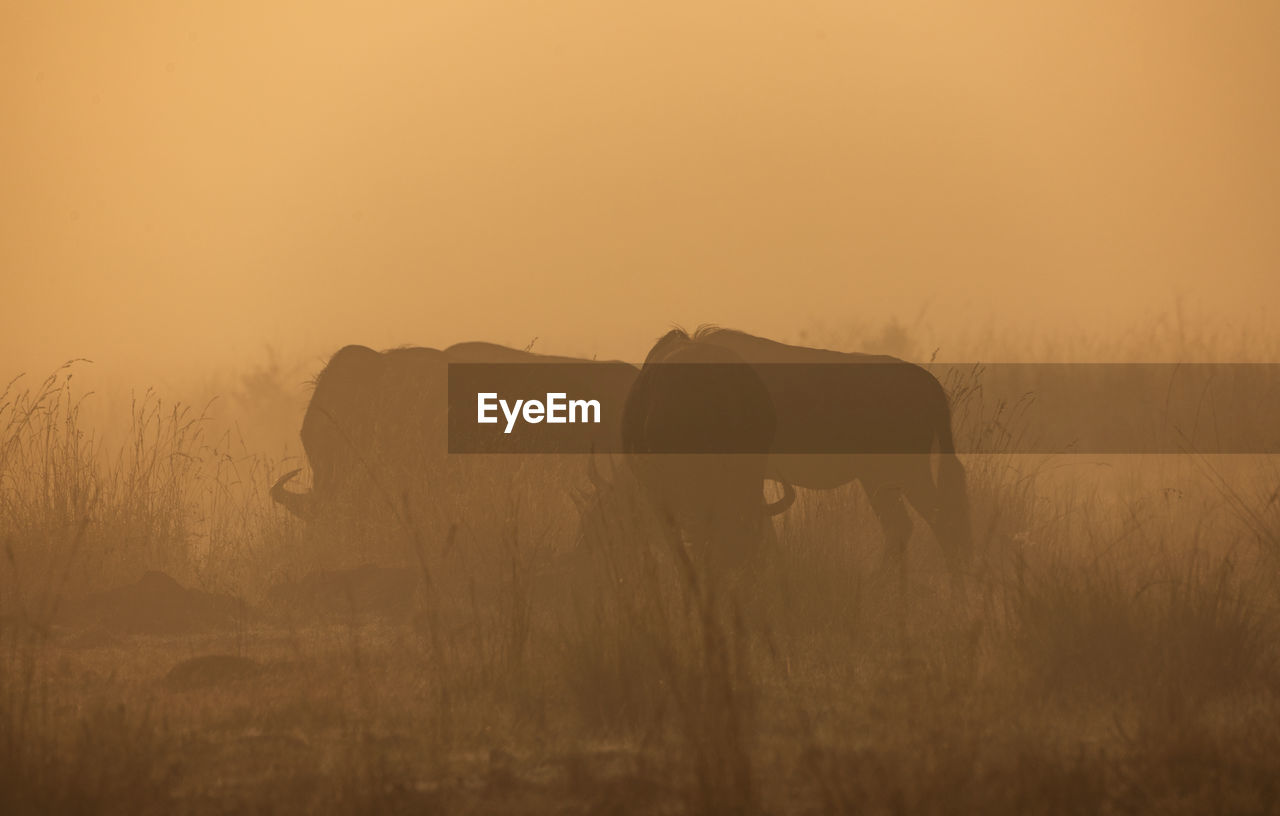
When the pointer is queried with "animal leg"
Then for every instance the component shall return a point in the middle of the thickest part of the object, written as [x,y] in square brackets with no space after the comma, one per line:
[886,501]
[924,496]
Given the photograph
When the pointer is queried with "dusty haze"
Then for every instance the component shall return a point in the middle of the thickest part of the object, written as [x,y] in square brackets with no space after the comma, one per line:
[291,598]
[184,185]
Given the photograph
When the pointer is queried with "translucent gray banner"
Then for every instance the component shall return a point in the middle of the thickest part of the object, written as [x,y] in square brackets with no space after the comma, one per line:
[864,408]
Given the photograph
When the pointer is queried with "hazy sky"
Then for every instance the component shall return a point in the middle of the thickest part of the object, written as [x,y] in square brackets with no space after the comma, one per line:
[188,181]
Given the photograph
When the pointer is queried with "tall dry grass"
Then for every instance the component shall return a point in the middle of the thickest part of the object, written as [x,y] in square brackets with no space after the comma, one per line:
[1116,649]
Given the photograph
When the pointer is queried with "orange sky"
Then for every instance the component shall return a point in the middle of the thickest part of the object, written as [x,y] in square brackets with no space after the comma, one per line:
[185,182]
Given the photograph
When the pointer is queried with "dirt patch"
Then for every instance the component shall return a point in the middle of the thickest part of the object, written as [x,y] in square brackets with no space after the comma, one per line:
[365,590]
[208,671]
[156,604]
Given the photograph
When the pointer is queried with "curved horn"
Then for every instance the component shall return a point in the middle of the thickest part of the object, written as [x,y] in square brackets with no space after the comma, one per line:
[300,504]
[782,504]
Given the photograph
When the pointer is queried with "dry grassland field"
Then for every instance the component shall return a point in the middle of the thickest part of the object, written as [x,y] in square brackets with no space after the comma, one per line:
[173,641]
[650,407]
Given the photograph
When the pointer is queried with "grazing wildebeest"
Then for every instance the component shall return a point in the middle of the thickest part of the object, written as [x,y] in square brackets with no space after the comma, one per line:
[896,410]
[375,435]
[696,430]
[365,430]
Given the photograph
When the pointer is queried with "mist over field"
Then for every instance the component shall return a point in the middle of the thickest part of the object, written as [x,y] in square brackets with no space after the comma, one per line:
[185,184]
[202,204]
[174,640]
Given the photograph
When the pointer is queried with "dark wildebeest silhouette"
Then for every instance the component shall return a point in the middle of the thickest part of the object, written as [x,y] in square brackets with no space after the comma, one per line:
[696,430]
[366,430]
[886,422]
[375,434]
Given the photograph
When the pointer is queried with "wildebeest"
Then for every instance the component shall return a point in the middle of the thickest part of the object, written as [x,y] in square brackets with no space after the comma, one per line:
[367,430]
[696,430]
[875,419]
[886,420]
[375,436]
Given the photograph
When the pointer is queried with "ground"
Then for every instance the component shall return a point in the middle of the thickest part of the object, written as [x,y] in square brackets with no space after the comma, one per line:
[174,643]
